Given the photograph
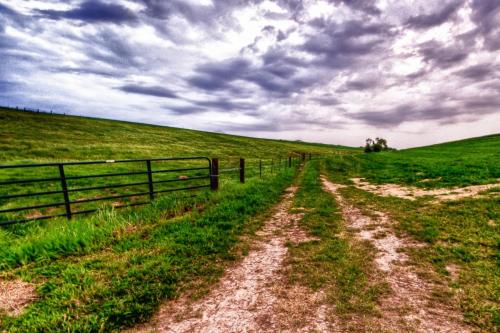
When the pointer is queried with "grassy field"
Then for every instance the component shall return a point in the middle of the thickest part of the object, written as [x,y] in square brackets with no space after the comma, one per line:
[112,269]
[460,163]
[464,232]
[27,137]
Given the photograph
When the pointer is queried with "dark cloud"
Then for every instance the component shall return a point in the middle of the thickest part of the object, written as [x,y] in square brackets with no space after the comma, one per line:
[256,127]
[434,19]
[194,13]
[225,104]
[435,110]
[276,78]
[443,56]
[359,85]
[7,86]
[477,72]
[9,16]
[367,6]
[156,91]
[488,102]
[110,48]
[326,100]
[93,11]
[338,45]
[6,11]
[185,110]
[404,113]
[486,15]
[219,75]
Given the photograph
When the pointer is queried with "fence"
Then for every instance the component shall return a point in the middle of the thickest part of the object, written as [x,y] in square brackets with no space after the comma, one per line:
[75,189]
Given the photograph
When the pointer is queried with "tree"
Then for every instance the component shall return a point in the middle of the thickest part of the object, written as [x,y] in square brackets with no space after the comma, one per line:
[376,146]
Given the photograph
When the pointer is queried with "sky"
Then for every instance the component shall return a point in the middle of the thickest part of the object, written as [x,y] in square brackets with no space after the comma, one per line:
[338,71]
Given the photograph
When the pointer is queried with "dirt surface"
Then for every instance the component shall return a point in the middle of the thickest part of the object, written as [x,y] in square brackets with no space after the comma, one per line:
[15,295]
[252,296]
[411,193]
[410,307]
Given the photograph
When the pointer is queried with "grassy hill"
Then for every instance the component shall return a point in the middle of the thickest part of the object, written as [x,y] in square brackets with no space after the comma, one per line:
[29,136]
[458,163]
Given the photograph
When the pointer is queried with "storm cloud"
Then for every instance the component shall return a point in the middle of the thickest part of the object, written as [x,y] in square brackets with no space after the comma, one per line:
[93,11]
[326,70]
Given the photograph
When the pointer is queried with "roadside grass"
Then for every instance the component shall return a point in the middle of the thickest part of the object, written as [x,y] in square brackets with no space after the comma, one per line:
[42,241]
[125,282]
[460,163]
[464,233]
[334,264]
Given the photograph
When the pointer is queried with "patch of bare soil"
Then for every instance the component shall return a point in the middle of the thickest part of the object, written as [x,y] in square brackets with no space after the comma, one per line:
[411,193]
[252,296]
[15,295]
[410,306]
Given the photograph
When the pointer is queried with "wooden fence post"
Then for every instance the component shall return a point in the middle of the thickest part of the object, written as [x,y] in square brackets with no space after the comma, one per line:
[64,187]
[214,175]
[242,170]
[260,168]
[150,180]
[289,161]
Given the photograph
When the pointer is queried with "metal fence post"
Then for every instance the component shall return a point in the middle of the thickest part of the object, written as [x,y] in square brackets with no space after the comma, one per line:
[242,170]
[214,175]
[64,186]
[260,168]
[150,180]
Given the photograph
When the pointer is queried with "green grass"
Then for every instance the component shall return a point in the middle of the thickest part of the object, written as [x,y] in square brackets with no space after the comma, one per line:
[138,268]
[335,263]
[27,137]
[36,137]
[112,269]
[460,163]
[463,233]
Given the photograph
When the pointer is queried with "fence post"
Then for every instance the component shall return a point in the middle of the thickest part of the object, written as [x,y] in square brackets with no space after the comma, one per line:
[272,166]
[309,156]
[260,168]
[289,161]
[214,175]
[64,186]
[242,170]
[150,180]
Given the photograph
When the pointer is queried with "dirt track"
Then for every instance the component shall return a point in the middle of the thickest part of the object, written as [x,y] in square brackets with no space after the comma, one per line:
[254,296]
[250,297]
[410,306]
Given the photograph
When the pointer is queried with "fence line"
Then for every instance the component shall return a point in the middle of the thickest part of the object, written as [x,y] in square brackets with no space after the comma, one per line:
[206,175]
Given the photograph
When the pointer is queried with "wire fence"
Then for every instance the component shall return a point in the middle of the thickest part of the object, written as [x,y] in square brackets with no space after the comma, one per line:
[30,192]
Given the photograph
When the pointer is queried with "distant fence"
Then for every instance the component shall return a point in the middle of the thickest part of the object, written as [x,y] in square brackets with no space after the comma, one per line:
[30,192]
